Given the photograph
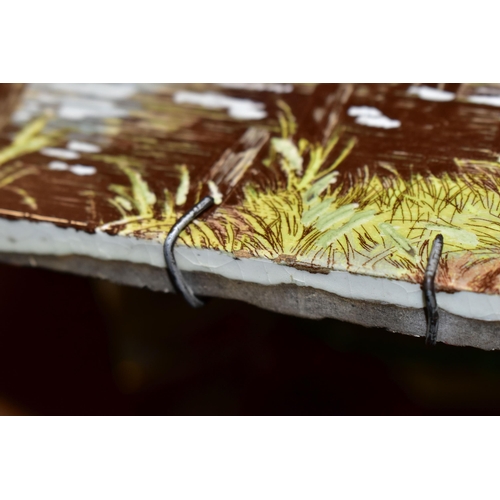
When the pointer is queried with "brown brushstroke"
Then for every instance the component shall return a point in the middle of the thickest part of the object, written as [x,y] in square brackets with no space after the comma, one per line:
[10,95]
[234,162]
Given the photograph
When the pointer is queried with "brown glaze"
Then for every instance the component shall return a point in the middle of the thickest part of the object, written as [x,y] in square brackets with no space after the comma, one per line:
[10,94]
[157,136]
[432,134]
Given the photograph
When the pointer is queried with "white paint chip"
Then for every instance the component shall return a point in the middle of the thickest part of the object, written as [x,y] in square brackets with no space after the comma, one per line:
[378,121]
[62,166]
[214,192]
[278,88]
[83,147]
[64,154]
[363,111]
[83,108]
[242,109]
[489,100]
[58,165]
[438,95]
[113,91]
[372,117]
[82,170]
[431,93]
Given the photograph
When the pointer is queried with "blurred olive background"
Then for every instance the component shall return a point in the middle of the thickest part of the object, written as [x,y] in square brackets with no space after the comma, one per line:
[76,346]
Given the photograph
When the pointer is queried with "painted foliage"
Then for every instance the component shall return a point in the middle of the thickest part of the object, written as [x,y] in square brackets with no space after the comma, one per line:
[320,177]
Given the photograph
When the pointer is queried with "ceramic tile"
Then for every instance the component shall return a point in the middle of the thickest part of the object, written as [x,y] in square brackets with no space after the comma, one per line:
[352,177]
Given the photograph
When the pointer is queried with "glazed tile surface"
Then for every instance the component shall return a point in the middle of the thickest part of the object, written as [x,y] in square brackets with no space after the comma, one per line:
[348,177]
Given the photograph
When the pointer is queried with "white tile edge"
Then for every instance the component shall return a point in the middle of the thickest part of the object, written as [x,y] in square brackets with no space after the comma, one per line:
[42,238]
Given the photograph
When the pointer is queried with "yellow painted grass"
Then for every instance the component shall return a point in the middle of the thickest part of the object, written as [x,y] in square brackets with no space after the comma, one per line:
[370,224]
[30,139]
[376,225]
[364,222]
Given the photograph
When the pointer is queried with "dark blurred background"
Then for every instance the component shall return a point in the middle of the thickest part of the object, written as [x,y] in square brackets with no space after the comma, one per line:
[76,346]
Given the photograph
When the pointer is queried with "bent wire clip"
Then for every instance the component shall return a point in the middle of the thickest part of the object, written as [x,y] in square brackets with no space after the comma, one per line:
[168,251]
[429,292]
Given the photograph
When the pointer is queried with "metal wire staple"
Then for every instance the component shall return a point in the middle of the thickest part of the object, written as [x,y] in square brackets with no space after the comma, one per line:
[168,250]
[429,292]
